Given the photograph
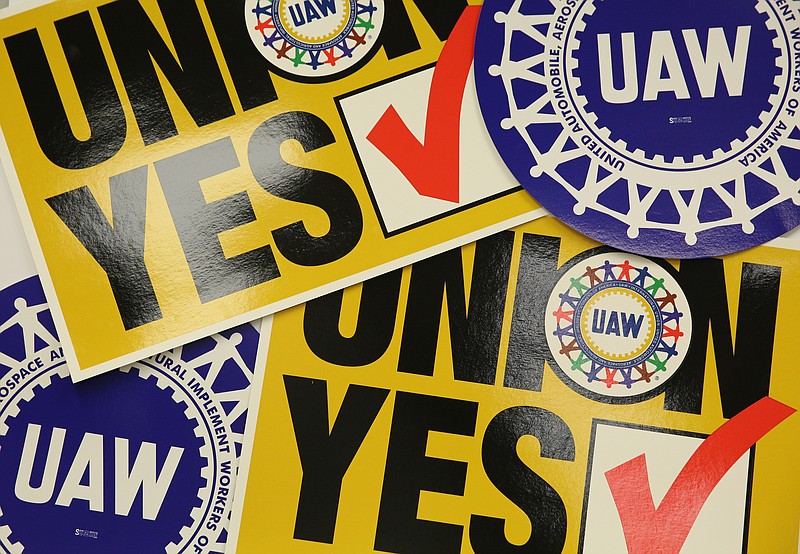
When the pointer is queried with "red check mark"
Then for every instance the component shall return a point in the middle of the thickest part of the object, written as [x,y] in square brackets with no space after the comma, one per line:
[664,530]
[432,168]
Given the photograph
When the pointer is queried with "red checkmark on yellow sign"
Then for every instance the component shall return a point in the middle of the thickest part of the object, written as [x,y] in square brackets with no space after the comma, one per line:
[663,530]
[432,168]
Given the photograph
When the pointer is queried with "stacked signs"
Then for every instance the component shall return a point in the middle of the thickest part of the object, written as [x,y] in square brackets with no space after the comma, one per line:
[192,181]
[534,392]
[182,167]
[143,459]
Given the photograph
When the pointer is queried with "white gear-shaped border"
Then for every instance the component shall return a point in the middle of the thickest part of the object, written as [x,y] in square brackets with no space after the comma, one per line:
[649,331]
[45,379]
[10,410]
[619,145]
[579,272]
[240,399]
[181,396]
[313,39]
[587,194]
[324,70]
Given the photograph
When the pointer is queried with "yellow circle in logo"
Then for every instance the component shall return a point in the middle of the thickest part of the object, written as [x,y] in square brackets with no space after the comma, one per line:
[314,22]
[618,324]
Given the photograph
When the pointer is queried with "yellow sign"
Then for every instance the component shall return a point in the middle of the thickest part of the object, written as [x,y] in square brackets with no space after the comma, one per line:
[533,392]
[182,166]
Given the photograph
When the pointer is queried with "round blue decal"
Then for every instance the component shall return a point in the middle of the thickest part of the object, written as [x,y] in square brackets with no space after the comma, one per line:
[664,128]
[138,460]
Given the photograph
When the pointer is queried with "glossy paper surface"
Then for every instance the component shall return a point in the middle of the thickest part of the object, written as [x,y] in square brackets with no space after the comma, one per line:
[391,420]
[663,128]
[175,181]
[138,460]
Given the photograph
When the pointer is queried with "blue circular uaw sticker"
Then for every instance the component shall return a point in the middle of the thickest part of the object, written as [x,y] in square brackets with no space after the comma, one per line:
[667,128]
[315,39]
[138,460]
[618,326]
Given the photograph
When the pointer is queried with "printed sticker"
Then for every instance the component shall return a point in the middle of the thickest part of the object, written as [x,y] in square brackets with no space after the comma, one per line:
[429,409]
[666,129]
[139,460]
[618,324]
[313,38]
[193,179]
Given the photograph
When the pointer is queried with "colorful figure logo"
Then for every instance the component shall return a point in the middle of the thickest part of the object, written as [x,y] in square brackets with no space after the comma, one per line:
[618,325]
[315,39]
[664,128]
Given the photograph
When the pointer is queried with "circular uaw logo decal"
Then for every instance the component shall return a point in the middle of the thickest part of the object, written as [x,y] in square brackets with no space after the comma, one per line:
[314,38]
[617,325]
[664,128]
[138,460]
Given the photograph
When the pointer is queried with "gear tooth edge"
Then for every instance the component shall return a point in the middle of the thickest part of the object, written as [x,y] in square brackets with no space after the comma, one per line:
[604,134]
[718,152]
[196,514]
[141,371]
[572,64]
[186,531]
[171,548]
[659,159]
[638,153]
[205,473]
[773,98]
[205,451]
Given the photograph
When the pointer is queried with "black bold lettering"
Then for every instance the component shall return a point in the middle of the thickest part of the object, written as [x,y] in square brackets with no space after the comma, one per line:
[527,344]
[194,75]
[249,69]
[744,372]
[308,186]
[99,97]
[398,35]
[326,455]
[535,496]
[117,247]
[374,330]
[474,333]
[409,471]
[199,224]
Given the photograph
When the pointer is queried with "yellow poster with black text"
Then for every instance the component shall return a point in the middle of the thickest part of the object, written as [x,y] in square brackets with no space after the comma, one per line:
[533,392]
[182,166]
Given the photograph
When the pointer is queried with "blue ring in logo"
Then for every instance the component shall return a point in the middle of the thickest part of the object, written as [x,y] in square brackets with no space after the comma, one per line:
[658,321]
[275,6]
